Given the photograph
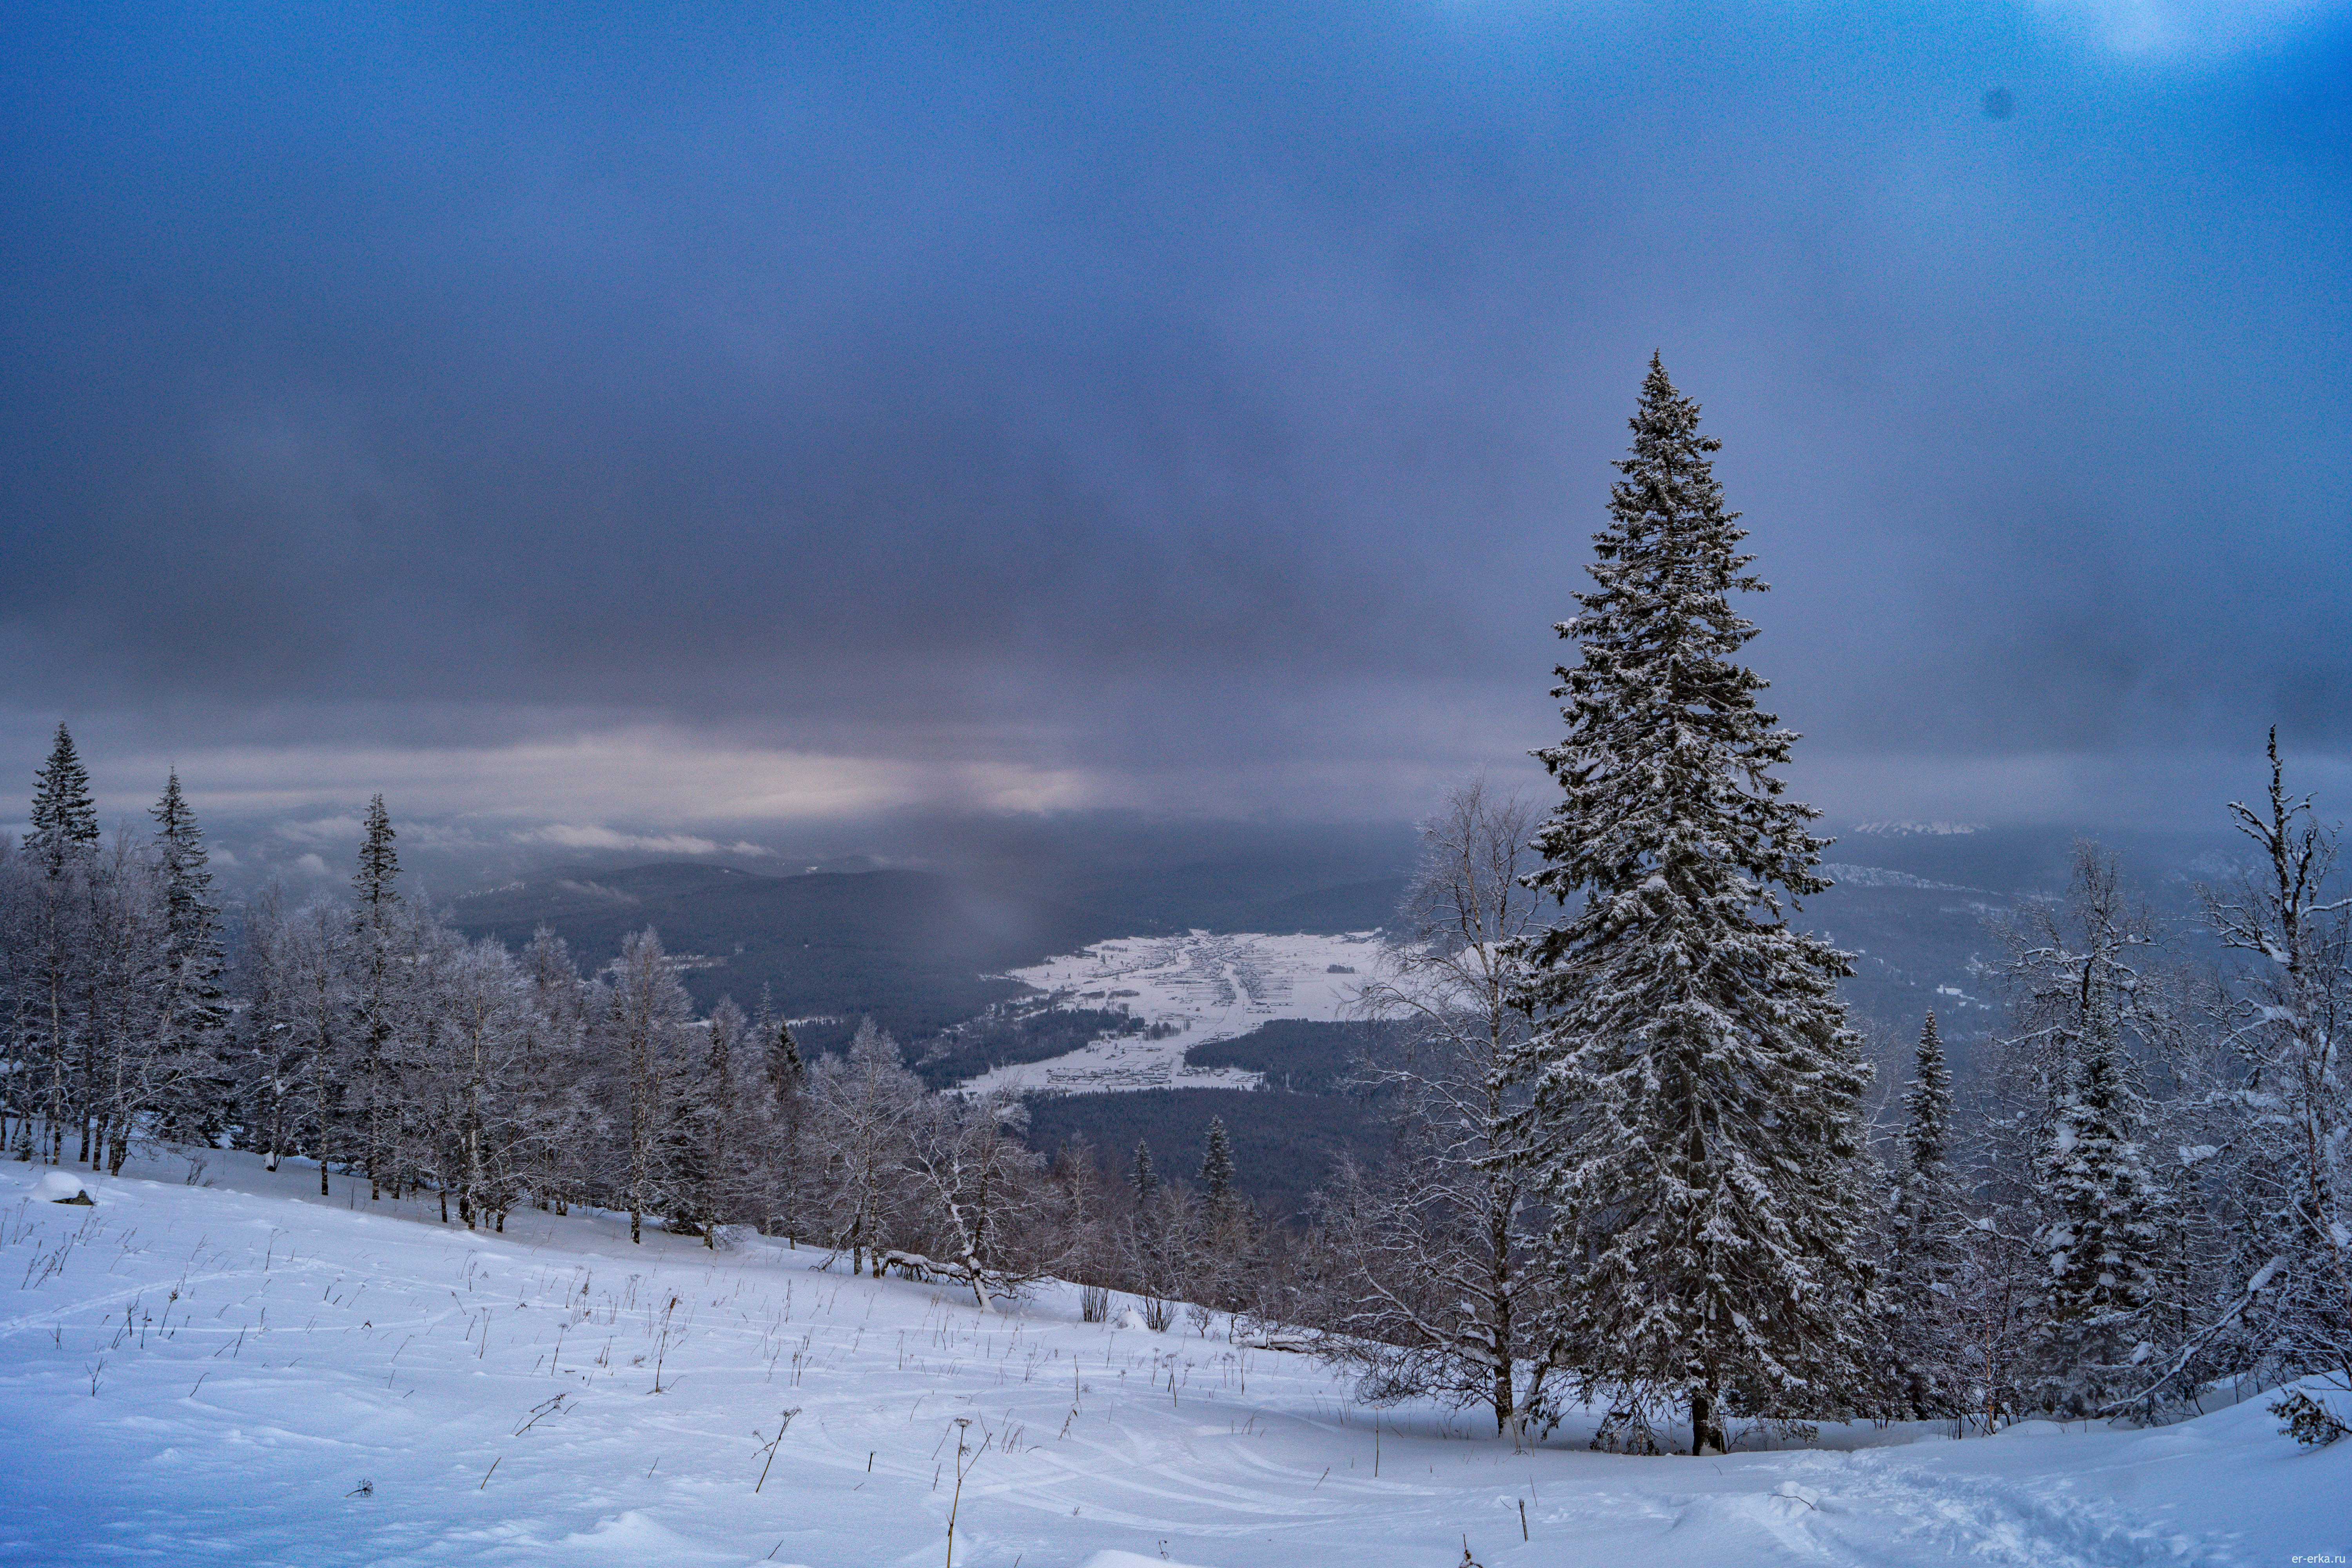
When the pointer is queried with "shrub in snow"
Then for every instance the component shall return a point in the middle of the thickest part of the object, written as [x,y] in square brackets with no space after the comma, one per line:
[2308,1421]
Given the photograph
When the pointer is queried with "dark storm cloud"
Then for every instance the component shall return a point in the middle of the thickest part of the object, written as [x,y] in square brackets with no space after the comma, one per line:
[1224,390]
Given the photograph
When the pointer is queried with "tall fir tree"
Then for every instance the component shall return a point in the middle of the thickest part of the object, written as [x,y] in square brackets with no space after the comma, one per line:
[1695,1115]
[379,869]
[2103,1233]
[1217,1165]
[787,1069]
[64,818]
[702,1156]
[375,884]
[53,1030]
[1924,1250]
[1141,1176]
[194,1012]
[782,1160]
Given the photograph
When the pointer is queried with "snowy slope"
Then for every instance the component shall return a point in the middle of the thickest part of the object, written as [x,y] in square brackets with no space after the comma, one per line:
[1203,986]
[208,1375]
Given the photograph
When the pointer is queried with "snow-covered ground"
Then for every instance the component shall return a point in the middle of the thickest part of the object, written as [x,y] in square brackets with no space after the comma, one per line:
[241,1374]
[1202,985]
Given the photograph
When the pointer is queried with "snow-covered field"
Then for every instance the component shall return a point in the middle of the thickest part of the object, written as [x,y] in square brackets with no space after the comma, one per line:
[242,1375]
[1205,986]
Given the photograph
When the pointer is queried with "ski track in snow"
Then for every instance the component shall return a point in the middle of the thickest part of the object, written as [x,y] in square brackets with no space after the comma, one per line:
[313,1346]
[1206,986]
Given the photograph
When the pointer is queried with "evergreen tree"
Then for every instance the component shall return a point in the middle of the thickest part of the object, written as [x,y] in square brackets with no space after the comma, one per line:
[379,866]
[2104,1235]
[64,817]
[1217,1165]
[1141,1176]
[778,1182]
[786,1069]
[379,870]
[191,1025]
[1925,1251]
[54,1028]
[702,1155]
[1694,1113]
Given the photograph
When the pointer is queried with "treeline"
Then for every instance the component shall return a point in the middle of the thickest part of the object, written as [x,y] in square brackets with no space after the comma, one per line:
[362,1033]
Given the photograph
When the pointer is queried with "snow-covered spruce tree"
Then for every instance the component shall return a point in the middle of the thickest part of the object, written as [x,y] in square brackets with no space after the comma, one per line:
[1430,1289]
[779,1165]
[1925,1223]
[1226,1241]
[1694,1122]
[2065,1161]
[196,1097]
[376,928]
[62,850]
[2097,948]
[787,1069]
[2101,1234]
[704,1141]
[1217,1165]
[64,818]
[1141,1179]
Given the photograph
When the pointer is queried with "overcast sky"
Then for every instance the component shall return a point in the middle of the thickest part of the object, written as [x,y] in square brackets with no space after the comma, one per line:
[696,414]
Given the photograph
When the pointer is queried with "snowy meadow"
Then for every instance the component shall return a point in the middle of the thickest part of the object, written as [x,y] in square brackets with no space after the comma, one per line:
[242,1371]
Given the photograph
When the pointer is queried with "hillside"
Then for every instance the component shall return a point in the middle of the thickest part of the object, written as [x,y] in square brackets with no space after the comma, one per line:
[237,1374]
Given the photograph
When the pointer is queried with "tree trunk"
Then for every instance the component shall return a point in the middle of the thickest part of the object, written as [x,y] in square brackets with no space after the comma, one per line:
[1706,1423]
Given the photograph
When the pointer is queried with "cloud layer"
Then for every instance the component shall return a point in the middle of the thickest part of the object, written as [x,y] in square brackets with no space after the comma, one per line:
[759,415]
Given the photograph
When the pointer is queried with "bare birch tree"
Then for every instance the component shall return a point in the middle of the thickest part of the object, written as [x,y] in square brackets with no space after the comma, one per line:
[1434,1291]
